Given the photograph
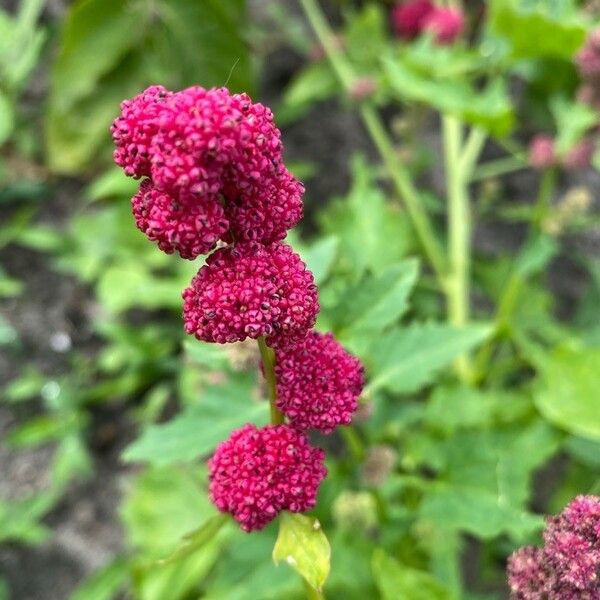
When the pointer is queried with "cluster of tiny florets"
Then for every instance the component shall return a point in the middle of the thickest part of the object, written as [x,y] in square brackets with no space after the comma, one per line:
[251,291]
[213,153]
[413,18]
[212,172]
[568,566]
[318,383]
[257,473]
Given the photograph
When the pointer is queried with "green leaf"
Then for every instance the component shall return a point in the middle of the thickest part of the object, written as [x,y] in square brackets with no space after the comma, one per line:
[365,223]
[302,544]
[573,120]
[320,256]
[105,583]
[7,118]
[404,360]
[568,390]
[399,582]
[489,108]
[112,49]
[377,301]
[197,430]
[533,30]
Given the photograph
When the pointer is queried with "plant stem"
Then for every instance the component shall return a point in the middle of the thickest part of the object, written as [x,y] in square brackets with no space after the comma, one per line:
[498,167]
[268,360]
[398,173]
[459,233]
[312,593]
[510,293]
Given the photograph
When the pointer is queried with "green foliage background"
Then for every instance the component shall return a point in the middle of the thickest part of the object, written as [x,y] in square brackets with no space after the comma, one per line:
[463,456]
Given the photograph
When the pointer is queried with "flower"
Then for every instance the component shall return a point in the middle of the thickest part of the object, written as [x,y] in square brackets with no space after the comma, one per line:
[190,226]
[542,154]
[526,575]
[446,24]
[208,139]
[257,473]
[568,566]
[249,291]
[318,383]
[409,17]
[134,129]
[588,58]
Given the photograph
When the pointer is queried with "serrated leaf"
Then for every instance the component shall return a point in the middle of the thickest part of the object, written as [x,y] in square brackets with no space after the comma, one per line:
[377,301]
[396,581]
[302,545]
[404,360]
[197,430]
[568,391]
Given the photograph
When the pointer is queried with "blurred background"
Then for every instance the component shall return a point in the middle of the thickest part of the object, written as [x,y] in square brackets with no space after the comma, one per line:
[92,351]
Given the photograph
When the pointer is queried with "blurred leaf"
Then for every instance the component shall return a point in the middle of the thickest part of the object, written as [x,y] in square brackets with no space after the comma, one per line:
[489,108]
[7,118]
[8,334]
[365,38]
[568,391]
[312,84]
[212,356]
[112,183]
[377,301]
[399,582]
[320,257]
[38,430]
[304,547]
[573,120]
[198,429]
[26,386]
[404,360]
[112,49]
[104,583]
[19,520]
[365,224]
[534,30]
[535,255]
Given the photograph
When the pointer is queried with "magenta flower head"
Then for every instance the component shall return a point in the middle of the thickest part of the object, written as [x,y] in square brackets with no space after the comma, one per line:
[190,226]
[526,576]
[257,473]
[409,18]
[542,154]
[588,58]
[446,24]
[135,128]
[568,566]
[318,383]
[249,291]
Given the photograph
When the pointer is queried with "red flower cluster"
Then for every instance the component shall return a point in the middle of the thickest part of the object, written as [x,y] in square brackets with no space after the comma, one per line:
[318,383]
[568,566]
[215,160]
[257,473]
[213,169]
[415,17]
[251,291]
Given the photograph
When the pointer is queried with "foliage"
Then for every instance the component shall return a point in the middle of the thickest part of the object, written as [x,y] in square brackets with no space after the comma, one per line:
[469,409]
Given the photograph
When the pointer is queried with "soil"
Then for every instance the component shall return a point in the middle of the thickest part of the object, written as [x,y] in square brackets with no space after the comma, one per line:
[85,525]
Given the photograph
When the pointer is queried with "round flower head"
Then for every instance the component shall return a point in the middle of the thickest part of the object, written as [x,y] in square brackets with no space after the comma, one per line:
[446,24]
[135,128]
[526,575]
[190,226]
[257,473]
[249,291]
[409,17]
[572,549]
[318,383]
[265,213]
[588,58]
[542,154]
[209,138]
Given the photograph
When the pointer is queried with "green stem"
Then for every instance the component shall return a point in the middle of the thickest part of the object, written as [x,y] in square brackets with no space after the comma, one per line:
[498,167]
[510,293]
[312,593]
[398,173]
[268,360]
[459,233]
